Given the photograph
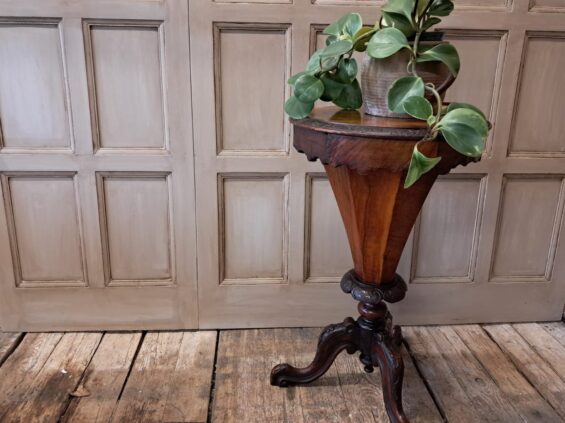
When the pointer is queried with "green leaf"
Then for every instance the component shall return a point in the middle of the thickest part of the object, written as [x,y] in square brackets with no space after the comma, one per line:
[441,8]
[394,20]
[453,106]
[333,29]
[431,120]
[445,53]
[465,131]
[329,63]
[293,78]
[418,107]
[297,109]
[313,65]
[402,89]
[421,6]
[337,49]
[386,42]
[347,70]
[364,32]
[362,37]
[347,25]
[332,87]
[401,7]
[330,39]
[419,164]
[430,22]
[468,117]
[350,24]
[308,88]
[350,97]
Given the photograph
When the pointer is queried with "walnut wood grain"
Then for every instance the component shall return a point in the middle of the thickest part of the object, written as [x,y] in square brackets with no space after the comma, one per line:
[366,159]
[365,143]
[372,334]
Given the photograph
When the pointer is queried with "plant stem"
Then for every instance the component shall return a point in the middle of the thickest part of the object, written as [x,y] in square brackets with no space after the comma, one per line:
[432,88]
[415,48]
[412,63]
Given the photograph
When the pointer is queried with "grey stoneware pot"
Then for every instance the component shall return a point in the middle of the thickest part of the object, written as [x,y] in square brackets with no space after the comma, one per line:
[377,76]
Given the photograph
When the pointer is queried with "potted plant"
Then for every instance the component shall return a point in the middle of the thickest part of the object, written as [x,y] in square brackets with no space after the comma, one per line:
[405,75]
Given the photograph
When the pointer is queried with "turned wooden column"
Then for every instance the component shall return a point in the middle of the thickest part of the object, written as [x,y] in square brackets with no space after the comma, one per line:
[366,159]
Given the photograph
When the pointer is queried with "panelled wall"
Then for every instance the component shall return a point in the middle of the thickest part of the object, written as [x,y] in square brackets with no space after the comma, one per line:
[149,181]
[271,246]
[97,218]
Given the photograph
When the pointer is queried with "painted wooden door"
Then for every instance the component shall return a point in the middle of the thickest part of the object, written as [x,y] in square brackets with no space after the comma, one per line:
[271,247]
[97,219]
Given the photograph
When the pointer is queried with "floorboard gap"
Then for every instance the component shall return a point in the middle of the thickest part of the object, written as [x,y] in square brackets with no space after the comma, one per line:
[80,380]
[213,381]
[426,383]
[133,360]
[524,375]
[486,371]
[13,348]
[534,348]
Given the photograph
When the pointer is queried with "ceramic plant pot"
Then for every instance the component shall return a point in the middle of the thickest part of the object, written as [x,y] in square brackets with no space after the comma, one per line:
[378,75]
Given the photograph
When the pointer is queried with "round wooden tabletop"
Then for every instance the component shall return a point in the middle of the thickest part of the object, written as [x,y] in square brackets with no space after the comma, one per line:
[331,119]
[365,143]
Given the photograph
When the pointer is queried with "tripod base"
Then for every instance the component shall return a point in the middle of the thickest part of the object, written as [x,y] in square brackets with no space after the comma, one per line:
[373,334]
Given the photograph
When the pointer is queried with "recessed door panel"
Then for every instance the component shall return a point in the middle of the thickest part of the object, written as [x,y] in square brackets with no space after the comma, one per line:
[127,87]
[538,121]
[45,228]
[326,247]
[251,67]
[253,228]
[137,228]
[33,92]
[528,229]
[448,231]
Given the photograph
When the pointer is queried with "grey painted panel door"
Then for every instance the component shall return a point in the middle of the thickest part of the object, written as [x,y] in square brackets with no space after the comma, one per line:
[271,247]
[97,219]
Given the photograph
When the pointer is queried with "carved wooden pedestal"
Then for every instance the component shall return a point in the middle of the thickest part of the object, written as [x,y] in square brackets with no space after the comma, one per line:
[372,334]
[366,159]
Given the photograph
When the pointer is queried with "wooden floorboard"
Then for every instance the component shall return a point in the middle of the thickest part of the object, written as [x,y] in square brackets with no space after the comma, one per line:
[449,391]
[543,343]
[20,369]
[471,373]
[8,342]
[170,379]
[516,389]
[96,397]
[38,391]
[345,394]
[557,330]
[536,370]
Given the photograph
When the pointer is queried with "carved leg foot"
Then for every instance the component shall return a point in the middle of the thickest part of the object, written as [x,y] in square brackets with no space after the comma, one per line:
[333,340]
[386,352]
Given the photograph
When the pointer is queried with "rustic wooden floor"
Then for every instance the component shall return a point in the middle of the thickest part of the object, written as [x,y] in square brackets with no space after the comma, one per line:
[490,373]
